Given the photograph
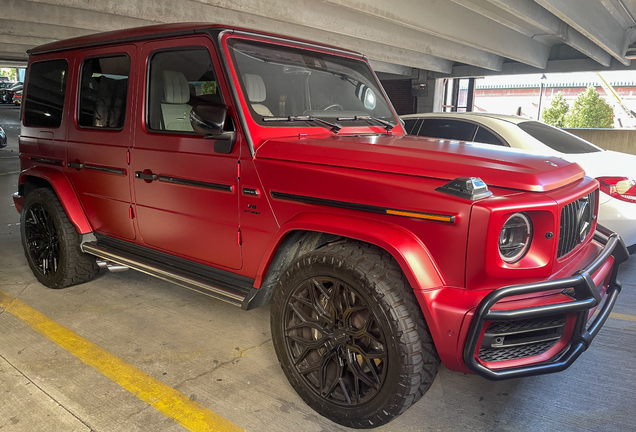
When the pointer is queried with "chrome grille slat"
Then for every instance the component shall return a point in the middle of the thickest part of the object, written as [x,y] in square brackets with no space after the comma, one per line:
[568,227]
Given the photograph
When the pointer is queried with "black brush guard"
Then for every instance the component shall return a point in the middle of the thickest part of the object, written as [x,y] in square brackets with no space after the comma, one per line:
[587,296]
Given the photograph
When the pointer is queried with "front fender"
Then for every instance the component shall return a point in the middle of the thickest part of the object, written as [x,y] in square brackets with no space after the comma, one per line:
[65,193]
[408,250]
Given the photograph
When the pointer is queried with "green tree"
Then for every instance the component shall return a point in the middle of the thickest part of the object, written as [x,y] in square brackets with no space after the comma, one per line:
[590,111]
[556,113]
[10,73]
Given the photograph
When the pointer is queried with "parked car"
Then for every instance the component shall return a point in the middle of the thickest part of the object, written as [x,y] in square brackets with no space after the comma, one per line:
[3,138]
[616,172]
[257,168]
[17,97]
[6,95]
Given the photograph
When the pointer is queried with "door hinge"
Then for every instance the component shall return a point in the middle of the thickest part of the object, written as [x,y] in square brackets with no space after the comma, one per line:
[128,156]
[239,237]
[131,214]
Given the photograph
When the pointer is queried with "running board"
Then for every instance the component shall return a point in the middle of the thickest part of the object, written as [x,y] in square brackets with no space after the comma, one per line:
[233,296]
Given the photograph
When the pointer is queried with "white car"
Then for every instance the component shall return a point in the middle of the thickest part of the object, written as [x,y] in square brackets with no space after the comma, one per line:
[616,172]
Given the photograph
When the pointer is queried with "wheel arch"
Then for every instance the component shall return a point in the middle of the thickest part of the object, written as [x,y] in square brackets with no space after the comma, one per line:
[37,177]
[307,231]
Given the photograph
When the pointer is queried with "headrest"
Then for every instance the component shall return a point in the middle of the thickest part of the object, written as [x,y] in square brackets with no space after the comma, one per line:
[175,87]
[255,88]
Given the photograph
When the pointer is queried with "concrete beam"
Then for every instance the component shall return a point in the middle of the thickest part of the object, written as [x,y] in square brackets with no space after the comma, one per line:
[52,14]
[28,29]
[553,66]
[22,40]
[390,68]
[453,22]
[594,21]
[489,10]
[307,19]
[541,18]
[12,63]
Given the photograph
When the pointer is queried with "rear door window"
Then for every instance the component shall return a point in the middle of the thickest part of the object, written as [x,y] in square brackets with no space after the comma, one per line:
[448,129]
[557,139]
[487,137]
[103,92]
[45,94]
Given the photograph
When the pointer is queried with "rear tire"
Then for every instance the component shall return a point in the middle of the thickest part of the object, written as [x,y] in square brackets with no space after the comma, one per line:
[51,243]
[350,335]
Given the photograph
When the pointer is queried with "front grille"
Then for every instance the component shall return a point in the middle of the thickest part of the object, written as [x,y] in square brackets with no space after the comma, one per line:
[573,219]
[511,340]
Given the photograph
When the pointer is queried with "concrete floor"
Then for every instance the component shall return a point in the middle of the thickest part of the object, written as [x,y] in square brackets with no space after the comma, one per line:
[223,358]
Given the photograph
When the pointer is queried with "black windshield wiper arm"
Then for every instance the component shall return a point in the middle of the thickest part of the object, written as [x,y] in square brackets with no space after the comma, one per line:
[387,125]
[334,127]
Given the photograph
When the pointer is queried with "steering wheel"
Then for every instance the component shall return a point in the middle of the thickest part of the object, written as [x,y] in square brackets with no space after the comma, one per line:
[336,105]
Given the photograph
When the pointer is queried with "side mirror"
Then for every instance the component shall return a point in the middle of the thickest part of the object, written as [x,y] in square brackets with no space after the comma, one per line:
[208,119]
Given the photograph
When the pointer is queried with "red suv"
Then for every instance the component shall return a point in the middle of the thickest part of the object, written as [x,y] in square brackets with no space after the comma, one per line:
[259,169]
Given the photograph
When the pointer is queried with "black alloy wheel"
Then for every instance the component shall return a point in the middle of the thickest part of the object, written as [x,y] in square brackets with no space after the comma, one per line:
[332,336]
[43,245]
[51,242]
[350,335]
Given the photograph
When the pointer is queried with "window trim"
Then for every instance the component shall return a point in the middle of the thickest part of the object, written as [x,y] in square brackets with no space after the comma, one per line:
[25,94]
[505,143]
[79,92]
[146,119]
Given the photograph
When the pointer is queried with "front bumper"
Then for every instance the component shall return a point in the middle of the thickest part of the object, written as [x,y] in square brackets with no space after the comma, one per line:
[587,295]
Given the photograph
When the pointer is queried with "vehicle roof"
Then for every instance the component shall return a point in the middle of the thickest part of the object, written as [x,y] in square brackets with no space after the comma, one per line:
[154,32]
[470,115]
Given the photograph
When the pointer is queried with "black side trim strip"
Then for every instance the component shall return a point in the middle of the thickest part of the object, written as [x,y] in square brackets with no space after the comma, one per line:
[48,161]
[185,182]
[363,207]
[106,170]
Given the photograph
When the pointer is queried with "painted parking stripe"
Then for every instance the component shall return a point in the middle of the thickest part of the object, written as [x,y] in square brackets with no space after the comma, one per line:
[623,317]
[12,172]
[168,401]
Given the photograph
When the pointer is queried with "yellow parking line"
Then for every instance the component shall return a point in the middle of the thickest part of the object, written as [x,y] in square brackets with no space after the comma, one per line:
[623,317]
[7,173]
[162,397]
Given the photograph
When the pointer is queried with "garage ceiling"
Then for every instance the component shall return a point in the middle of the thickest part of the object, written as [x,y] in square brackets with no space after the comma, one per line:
[401,37]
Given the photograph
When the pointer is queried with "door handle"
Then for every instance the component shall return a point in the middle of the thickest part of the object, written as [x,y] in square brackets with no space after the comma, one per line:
[145,176]
[77,166]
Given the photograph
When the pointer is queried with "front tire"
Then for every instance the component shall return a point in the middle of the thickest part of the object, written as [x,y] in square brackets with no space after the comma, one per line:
[51,243]
[350,336]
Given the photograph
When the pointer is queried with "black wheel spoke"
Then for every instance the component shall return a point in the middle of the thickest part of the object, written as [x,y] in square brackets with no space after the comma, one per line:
[334,341]
[42,240]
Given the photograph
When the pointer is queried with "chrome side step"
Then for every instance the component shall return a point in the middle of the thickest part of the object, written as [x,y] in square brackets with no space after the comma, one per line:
[132,261]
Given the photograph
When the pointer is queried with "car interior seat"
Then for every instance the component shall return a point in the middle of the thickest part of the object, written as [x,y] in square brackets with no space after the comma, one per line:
[176,95]
[256,93]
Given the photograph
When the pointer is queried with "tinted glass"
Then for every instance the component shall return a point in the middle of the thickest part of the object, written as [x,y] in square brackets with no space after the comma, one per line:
[486,137]
[448,129]
[178,81]
[410,126]
[46,89]
[282,81]
[557,139]
[103,92]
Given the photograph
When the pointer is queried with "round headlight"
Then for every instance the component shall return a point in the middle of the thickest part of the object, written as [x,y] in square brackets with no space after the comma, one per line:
[515,238]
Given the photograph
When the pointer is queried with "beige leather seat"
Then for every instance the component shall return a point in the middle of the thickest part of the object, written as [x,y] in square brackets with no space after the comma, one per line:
[175,108]
[256,93]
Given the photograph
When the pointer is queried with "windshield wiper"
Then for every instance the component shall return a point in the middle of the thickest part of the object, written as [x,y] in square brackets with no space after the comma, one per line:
[387,125]
[334,127]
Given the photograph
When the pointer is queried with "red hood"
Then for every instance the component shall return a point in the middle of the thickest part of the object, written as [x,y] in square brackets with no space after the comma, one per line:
[425,157]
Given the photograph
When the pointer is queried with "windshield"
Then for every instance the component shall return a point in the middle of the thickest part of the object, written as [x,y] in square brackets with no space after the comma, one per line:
[557,139]
[6,84]
[280,81]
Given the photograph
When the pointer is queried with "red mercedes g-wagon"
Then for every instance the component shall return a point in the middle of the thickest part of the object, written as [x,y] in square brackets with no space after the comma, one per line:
[259,169]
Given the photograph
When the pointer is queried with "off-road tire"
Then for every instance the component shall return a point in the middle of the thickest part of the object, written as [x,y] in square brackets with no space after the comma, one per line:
[373,275]
[74,266]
